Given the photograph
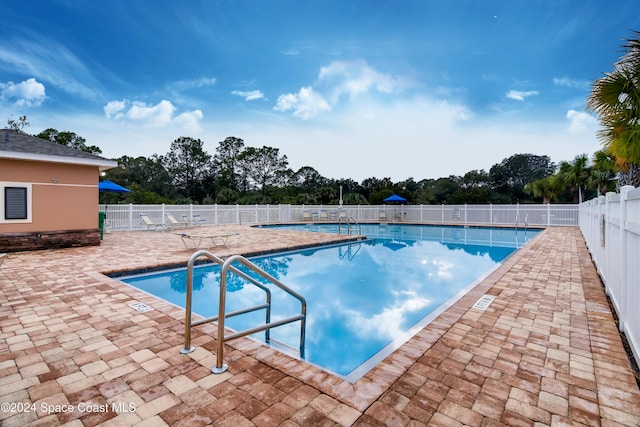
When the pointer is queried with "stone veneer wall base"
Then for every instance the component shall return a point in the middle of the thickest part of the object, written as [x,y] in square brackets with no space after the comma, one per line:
[17,242]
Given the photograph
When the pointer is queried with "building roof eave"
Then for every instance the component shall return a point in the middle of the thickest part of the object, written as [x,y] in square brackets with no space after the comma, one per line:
[102,164]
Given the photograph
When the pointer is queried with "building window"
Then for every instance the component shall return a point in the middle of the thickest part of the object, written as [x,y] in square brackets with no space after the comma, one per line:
[15,203]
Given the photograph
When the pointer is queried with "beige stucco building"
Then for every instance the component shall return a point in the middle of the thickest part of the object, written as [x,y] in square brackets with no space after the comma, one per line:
[48,194]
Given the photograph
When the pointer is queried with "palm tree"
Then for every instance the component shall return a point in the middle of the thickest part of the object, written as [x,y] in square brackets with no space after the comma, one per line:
[616,99]
[603,172]
[575,174]
[549,188]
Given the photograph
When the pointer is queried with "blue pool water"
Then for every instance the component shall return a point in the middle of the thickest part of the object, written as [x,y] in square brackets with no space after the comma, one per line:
[364,299]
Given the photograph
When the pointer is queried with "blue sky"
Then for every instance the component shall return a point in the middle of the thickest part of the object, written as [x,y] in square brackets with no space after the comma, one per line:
[355,89]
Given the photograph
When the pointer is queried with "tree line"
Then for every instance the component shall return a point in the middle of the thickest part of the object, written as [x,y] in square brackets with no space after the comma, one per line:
[237,173]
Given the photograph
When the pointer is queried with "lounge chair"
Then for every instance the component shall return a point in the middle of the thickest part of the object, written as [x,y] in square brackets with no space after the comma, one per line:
[198,240]
[149,223]
[342,215]
[324,216]
[174,223]
[306,216]
[198,220]
[382,216]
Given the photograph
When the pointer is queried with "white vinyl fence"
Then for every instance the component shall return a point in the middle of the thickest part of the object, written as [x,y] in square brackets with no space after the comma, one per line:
[611,227]
[127,217]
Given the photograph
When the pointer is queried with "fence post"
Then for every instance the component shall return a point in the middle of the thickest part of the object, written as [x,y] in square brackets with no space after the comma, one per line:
[491,214]
[607,259]
[624,277]
[130,216]
[548,214]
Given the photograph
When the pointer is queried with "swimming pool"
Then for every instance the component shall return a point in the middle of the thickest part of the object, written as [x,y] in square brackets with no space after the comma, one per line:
[364,299]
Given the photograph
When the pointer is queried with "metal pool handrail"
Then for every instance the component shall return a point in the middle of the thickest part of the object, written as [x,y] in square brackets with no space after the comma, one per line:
[220,367]
[248,213]
[189,296]
[526,220]
[349,220]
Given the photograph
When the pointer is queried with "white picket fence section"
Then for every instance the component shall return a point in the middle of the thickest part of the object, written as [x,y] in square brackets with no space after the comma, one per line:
[611,228]
[127,217]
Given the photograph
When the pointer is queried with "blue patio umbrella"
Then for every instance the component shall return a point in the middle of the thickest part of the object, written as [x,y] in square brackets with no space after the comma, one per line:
[395,198]
[395,245]
[112,187]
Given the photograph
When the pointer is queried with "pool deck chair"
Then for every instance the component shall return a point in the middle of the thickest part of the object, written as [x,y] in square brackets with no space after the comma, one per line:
[205,240]
[172,222]
[198,220]
[150,224]
[382,216]
[324,216]
[306,216]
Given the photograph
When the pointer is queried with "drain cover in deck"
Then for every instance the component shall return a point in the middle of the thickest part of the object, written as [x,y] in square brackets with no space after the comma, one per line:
[484,302]
[140,306]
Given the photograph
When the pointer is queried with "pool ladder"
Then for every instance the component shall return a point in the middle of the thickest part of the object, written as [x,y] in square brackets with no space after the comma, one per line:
[250,214]
[227,266]
[349,221]
[526,219]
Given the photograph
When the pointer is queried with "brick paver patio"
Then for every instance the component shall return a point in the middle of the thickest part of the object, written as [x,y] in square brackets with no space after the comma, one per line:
[72,350]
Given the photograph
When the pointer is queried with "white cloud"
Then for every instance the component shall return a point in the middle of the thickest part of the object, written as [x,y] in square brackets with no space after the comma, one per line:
[193,84]
[305,104]
[159,115]
[52,63]
[571,83]
[336,80]
[251,95]
[190,120]
[354,78]
[520,95]
[580,122]
[114,109]
[291,52]
[28,93]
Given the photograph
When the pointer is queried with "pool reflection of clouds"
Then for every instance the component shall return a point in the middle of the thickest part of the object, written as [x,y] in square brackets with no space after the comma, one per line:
[367,309]
[388,323]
